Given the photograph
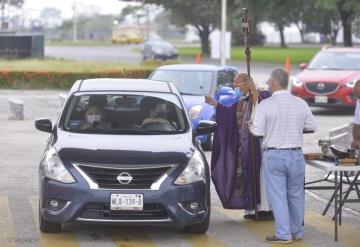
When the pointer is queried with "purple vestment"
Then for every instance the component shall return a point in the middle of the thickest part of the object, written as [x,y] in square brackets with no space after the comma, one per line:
[236,156]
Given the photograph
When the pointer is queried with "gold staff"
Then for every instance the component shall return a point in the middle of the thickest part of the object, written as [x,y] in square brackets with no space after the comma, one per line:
[245,27]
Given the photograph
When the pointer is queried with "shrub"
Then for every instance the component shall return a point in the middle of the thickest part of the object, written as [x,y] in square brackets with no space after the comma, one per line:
[60,80]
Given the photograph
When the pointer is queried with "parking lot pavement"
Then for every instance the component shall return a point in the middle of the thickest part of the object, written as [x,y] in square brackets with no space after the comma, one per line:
[21,147]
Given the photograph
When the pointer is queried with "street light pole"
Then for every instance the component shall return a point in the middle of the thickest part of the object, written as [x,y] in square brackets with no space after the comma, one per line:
[223,33]
[74,22]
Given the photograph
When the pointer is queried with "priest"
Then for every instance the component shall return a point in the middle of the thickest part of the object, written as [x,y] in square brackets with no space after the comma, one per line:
[236,156]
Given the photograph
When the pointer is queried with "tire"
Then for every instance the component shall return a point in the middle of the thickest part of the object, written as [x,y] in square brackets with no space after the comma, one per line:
[47,226]
[207,146]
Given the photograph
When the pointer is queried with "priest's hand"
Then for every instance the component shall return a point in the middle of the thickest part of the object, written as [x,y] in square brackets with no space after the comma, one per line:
[210,100]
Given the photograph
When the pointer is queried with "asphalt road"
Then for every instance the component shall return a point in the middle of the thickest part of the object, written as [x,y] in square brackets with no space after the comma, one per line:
[126,54]
[21,147]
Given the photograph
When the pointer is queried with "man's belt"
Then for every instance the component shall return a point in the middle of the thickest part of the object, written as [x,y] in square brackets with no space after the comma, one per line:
[290,149]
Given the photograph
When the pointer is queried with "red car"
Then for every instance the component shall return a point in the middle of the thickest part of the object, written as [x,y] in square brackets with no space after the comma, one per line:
[329,78]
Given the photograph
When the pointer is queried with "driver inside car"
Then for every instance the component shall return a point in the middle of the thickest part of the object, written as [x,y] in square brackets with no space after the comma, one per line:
[155,112]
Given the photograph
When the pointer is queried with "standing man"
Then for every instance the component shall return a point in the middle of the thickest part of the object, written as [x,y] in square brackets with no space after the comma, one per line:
[281,120]
[356,124]
[236,157]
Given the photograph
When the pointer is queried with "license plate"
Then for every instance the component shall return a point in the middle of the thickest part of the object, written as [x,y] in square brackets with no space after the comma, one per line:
[128,202]
[321,99]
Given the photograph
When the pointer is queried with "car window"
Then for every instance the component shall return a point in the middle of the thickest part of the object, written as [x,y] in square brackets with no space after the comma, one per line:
[225,78]
[187,82]
[125,114]
[336,61]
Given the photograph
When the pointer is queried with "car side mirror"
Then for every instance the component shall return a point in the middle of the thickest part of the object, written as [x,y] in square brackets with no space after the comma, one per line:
[205,127]
[43,124]
[302,66]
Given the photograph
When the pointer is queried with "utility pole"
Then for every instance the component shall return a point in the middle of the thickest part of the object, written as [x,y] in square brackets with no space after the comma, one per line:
[74,22]
[223,33]
[8,9]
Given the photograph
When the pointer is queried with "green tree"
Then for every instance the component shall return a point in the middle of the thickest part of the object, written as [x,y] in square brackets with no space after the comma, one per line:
[281,13]
[204,15]
[15,3]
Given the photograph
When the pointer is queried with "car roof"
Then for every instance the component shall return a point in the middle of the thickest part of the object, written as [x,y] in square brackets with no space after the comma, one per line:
[342,49]
[118,84]
[191,67]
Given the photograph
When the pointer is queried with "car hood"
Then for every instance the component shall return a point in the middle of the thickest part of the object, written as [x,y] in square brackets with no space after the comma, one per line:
[327,75]
[119,149]
[191,100]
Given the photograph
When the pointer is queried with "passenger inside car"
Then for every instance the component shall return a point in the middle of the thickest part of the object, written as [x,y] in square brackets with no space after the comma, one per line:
[94,119]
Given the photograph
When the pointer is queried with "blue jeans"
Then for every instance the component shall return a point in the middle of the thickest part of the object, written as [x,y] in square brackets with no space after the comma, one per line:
[284,173]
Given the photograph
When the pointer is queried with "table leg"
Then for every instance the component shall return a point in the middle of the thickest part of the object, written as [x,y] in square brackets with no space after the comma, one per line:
[341,183]
[336,206]
[352,184]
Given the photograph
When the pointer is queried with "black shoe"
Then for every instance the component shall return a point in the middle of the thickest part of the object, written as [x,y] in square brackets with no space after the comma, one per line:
[249,216]
[266,215]
[274,239]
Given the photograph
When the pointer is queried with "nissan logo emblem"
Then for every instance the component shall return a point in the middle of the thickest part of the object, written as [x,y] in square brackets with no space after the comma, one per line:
[321,86]
[124,178]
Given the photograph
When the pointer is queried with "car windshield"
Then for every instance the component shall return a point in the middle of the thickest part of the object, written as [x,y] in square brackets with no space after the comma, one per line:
[128,114]
[336,61]
[188,82]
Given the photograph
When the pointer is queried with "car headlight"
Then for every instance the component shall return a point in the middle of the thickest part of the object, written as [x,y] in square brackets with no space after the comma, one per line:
[194,170]
[352,82]
[53,168]
[195,111]
[294,81]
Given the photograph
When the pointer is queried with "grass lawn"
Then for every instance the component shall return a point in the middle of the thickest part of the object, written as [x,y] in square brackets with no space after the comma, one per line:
[62,65]
[264,54]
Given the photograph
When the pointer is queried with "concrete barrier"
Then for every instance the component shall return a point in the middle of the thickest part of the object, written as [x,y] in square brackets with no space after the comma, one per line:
[16,109]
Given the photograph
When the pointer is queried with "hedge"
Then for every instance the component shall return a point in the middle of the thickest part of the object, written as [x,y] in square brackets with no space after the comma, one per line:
[60,80]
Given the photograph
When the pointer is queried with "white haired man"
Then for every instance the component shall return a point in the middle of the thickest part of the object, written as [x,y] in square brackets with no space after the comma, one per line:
[281,121]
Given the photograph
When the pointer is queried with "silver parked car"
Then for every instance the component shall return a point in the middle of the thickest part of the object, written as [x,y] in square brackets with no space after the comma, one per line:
[159,49]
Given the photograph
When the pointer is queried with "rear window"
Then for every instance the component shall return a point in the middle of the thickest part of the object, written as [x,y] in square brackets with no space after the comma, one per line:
[125,114]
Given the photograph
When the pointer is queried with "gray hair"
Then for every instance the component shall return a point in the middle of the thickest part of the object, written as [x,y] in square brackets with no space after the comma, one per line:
[281,77]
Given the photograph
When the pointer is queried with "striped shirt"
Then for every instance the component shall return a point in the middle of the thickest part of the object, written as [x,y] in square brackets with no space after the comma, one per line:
[281,120]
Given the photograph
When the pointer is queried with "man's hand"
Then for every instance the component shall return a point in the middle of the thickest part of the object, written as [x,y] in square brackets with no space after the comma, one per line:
[242,80]
[210,100]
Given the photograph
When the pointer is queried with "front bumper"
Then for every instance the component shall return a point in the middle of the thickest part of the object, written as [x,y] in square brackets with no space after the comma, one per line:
[342,97]
[92,205]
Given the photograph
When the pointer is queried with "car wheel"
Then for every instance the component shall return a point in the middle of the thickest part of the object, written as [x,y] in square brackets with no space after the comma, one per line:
[202,227]
[207,146]
[47,226]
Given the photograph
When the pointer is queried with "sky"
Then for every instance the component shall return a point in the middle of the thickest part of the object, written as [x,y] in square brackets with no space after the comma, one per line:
[32,8]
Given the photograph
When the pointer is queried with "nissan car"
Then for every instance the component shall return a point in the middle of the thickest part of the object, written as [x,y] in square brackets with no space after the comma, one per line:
[123,151]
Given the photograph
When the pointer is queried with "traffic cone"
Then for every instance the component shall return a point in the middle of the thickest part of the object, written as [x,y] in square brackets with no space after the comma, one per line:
[287,65]
[198,58]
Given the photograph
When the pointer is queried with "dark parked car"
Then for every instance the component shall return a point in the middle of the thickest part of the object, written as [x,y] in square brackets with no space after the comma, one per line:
[123,151]
[159,49]
[194,81]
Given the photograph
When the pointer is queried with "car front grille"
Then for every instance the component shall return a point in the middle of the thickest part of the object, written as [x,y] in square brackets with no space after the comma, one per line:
[107,177]
[150,211]
[322,87]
